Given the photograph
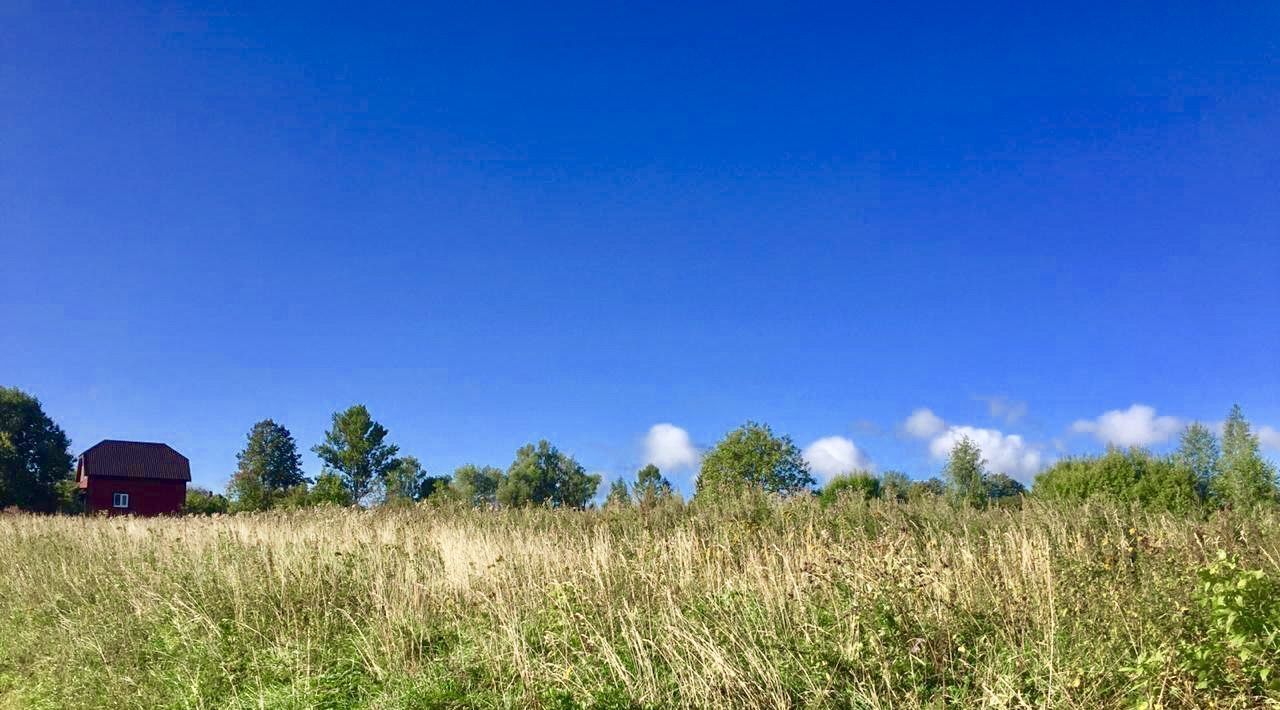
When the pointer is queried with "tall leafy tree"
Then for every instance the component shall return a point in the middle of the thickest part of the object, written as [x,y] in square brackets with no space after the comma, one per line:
[477,485]
[1244,479]
[619,496]
[404,480]
[271,456]
[543,475]
[1198,451]
[751,456]
[355,447]
[650,487]
[966,473]
[35,453]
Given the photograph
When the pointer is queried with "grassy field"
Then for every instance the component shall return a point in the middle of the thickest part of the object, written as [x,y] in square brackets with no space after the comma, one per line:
[751,605]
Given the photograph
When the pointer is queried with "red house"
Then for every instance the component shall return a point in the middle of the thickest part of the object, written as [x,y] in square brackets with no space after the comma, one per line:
[133,477]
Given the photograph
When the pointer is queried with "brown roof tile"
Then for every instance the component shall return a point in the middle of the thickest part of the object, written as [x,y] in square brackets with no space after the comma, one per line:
[135,459]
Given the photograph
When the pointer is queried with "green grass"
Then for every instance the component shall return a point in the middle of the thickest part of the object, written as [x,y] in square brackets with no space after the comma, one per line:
[751,605]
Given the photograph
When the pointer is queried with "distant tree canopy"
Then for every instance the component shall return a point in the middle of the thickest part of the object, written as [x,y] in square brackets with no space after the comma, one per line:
[406,481]
[271,456]
[1000,485]
[35,454]
[752,457]
[859,485]
[895,485]
[619,496]
[1243,479]
[1201,471]
[360,466]
[543,475]
[1134,476]
[477,485]
[329,489]
[201,501]
[1198,451]
[651,488]
[355,448]
[966,473]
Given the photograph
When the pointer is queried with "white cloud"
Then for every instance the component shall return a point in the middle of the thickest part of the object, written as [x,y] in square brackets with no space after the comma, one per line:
[924,424]
[833,455]
[1136,426]
[1001,407]
[1005,453]
[668,447]
[1269,437]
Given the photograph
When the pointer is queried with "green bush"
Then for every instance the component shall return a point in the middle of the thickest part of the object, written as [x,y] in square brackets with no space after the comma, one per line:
[1236,630]
[201,501]
[859,485]
[1132,476]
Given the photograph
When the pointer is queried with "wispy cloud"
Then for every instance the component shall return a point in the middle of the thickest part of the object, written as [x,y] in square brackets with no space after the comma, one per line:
[1269,437]
[1010,411]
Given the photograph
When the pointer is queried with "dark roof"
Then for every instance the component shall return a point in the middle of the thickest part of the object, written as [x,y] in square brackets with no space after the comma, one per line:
[135,459]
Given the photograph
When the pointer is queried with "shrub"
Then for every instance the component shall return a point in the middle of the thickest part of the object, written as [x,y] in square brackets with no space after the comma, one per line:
[859,485]
[201,501]
[1235,642]
[1132,476]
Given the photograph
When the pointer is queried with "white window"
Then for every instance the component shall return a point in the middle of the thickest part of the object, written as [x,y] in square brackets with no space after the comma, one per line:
[119,500]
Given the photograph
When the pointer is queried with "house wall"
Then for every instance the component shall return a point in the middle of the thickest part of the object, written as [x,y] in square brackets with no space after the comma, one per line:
[146,497]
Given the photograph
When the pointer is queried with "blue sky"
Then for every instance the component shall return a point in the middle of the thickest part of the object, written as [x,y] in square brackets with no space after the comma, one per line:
[497,223]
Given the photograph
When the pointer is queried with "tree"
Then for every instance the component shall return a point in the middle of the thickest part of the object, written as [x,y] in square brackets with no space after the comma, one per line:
[932,488]
[248,492]
[329,489]
[70,500]
[965,473]
[1244,479]
[408,481]
[1001,485]
[895,486]
[431,485]
[651,488]
[1132,476]
[271,456]
[619,496]
[859,485]
[477,485]
[34,453]
[355,447]
[201,501]
[1198,451]
[404,481]
[542,475]
[752,457]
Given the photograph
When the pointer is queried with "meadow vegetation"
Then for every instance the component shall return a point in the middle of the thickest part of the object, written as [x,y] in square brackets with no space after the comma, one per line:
[1126,579]
[754,602]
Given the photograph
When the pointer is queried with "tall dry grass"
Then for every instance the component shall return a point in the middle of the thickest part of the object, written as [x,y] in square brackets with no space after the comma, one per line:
[753,604]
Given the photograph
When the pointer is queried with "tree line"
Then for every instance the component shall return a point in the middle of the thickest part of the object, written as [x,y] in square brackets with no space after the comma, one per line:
[1204,471]
[361,467]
